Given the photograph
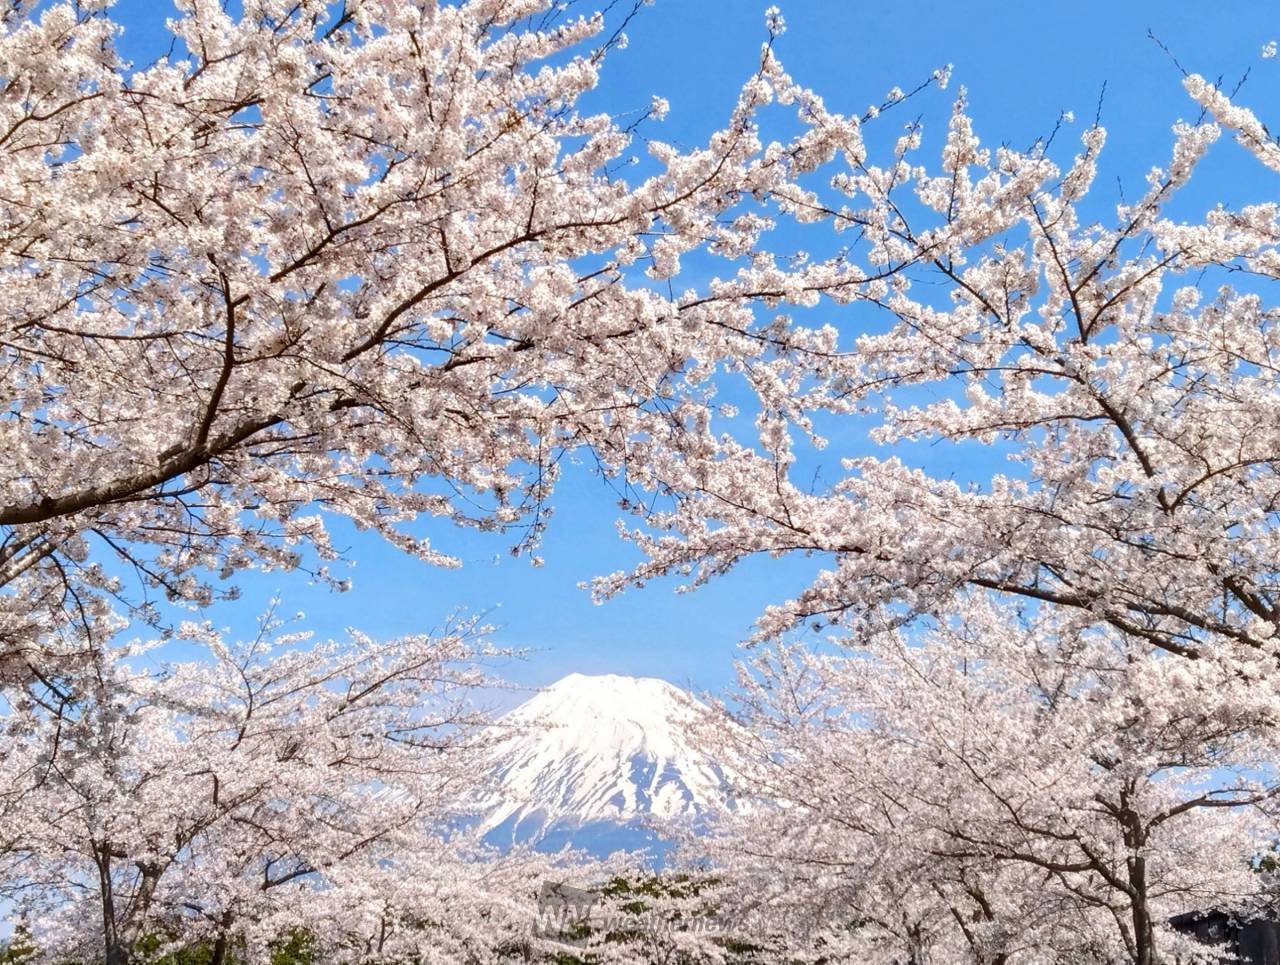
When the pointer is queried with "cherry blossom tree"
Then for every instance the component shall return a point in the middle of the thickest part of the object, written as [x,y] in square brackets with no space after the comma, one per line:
[366,261]
[373,261]
[1124,365]
[1008,788]
[278,789]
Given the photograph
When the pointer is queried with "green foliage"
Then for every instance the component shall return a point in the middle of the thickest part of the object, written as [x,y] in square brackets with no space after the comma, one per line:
[1269,861]
[148,950]
[298,949]
[638,898]
[19,949]
[634,898]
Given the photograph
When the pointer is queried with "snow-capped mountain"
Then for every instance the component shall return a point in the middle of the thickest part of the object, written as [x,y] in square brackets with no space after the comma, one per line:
[596,761]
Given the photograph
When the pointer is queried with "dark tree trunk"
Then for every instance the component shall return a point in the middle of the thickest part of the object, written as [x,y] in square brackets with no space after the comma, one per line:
[1144,938]
[221,945]
[115,951]
[1135,839]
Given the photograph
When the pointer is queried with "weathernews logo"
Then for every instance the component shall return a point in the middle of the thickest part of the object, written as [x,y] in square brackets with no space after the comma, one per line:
[573,916]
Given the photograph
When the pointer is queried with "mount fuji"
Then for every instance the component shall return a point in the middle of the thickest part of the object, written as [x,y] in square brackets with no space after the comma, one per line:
[600,762]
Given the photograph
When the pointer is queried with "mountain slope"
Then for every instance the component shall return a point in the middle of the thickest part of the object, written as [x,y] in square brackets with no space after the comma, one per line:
[592,757]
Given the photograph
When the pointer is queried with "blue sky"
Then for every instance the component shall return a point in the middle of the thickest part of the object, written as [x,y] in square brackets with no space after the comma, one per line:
[1023,63]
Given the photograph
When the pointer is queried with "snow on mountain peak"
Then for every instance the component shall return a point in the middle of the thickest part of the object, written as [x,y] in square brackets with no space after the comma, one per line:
[605,748]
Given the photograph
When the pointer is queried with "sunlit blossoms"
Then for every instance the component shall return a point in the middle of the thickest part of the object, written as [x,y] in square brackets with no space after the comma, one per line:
[1005,788]
[375,262]
[1114,561]
[267,790]
[365,261]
